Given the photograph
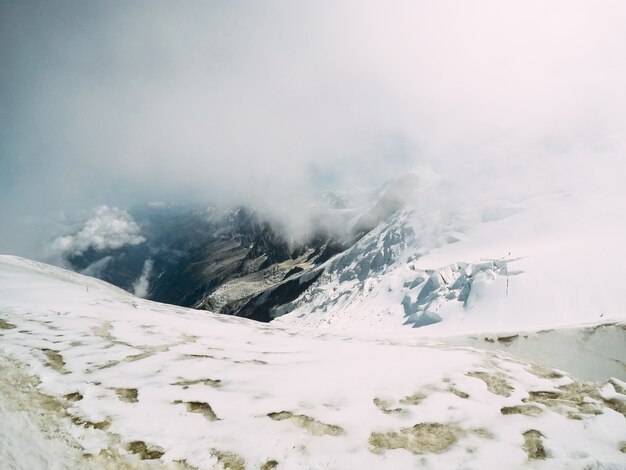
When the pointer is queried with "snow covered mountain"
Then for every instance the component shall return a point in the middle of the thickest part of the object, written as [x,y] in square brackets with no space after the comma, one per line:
[400,257]
[93,377]
[470,327]
[546,261]
[236,261]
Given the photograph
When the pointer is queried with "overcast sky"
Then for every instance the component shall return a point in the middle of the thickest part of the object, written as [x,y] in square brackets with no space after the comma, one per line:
[123,102]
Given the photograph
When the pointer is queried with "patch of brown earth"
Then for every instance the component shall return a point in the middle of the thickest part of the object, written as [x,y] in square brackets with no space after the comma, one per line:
[138,357]
[423,438]
[533,445]
[197,356]
[100,425]
[4,325]
[577,398]
[414,399]
[457,392]
[209,382]
[527,410]
[506,340]
[496,383]
[229,460]
[385,406]
[55,360]
[73,396]
[199,407]
[104,331]
[129,395]
[311,425]
[544,372]
[143,451]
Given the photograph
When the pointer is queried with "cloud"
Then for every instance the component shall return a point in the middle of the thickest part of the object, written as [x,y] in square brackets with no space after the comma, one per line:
[270,103]
[96,268]
[108,228]
[141,287]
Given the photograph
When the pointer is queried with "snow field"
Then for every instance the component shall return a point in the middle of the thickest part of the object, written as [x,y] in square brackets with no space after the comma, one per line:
[169,386]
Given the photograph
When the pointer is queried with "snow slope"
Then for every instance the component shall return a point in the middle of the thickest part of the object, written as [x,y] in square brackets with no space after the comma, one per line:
[148,385]
[522,263]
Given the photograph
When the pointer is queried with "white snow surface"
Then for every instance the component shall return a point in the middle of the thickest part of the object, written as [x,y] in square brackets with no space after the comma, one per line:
[147,385]
[472,266]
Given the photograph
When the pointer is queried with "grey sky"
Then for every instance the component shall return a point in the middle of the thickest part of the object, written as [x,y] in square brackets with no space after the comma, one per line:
[121,102]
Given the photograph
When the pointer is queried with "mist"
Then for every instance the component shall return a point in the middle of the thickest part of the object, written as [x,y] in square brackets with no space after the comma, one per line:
[271,103]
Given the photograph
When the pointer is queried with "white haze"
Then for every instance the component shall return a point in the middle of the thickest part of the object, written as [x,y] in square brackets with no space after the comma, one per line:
[272,102]
[141,287]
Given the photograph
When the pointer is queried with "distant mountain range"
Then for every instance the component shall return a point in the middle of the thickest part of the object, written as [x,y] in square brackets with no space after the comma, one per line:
[403,255]
[236,260]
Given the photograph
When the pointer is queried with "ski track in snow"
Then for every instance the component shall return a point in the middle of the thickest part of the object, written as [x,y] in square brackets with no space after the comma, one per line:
[133,383]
